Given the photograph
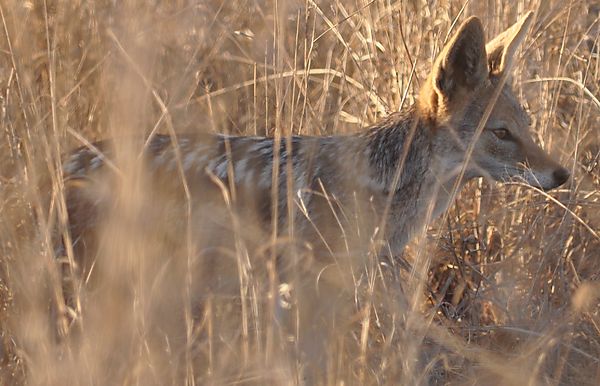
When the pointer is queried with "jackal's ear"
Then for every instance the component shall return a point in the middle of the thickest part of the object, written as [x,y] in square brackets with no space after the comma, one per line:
[502,49]
[462,64]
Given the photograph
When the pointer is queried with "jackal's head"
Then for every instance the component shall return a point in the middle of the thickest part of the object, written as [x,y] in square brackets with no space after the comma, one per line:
[468,78]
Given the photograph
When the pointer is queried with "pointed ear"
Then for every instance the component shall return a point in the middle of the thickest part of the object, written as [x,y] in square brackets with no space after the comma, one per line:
[502,49]
[462,64]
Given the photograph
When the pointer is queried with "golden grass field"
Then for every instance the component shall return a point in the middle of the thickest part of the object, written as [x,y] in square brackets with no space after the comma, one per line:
[502,290]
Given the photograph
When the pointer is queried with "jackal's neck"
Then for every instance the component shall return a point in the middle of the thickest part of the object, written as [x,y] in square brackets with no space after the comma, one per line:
[402,157]
[403,141]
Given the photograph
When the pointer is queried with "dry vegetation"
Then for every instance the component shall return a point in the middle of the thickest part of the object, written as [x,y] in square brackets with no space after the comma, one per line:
[502,290]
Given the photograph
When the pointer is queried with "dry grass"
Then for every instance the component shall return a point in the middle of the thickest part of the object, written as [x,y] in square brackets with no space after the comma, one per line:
[502,290]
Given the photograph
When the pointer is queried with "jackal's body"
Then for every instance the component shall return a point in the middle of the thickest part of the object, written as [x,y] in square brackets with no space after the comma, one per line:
[339,169]
[342,196]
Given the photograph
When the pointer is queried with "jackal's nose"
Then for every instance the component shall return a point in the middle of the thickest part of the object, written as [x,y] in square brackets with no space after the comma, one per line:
[561,175]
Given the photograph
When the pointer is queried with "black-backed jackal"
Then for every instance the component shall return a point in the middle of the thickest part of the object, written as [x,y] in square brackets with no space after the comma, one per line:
[308,213]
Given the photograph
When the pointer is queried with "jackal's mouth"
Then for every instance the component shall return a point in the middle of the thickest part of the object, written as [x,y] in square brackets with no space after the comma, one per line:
[545,181]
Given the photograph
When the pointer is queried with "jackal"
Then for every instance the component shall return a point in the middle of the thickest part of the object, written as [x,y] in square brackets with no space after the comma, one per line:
[344,197]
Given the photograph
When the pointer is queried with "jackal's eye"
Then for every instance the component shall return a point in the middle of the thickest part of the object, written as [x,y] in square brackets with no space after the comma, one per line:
[501,133]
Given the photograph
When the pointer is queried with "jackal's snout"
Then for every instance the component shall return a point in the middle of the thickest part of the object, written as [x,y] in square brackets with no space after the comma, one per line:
[546,176]
[558,176]
[561,175]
